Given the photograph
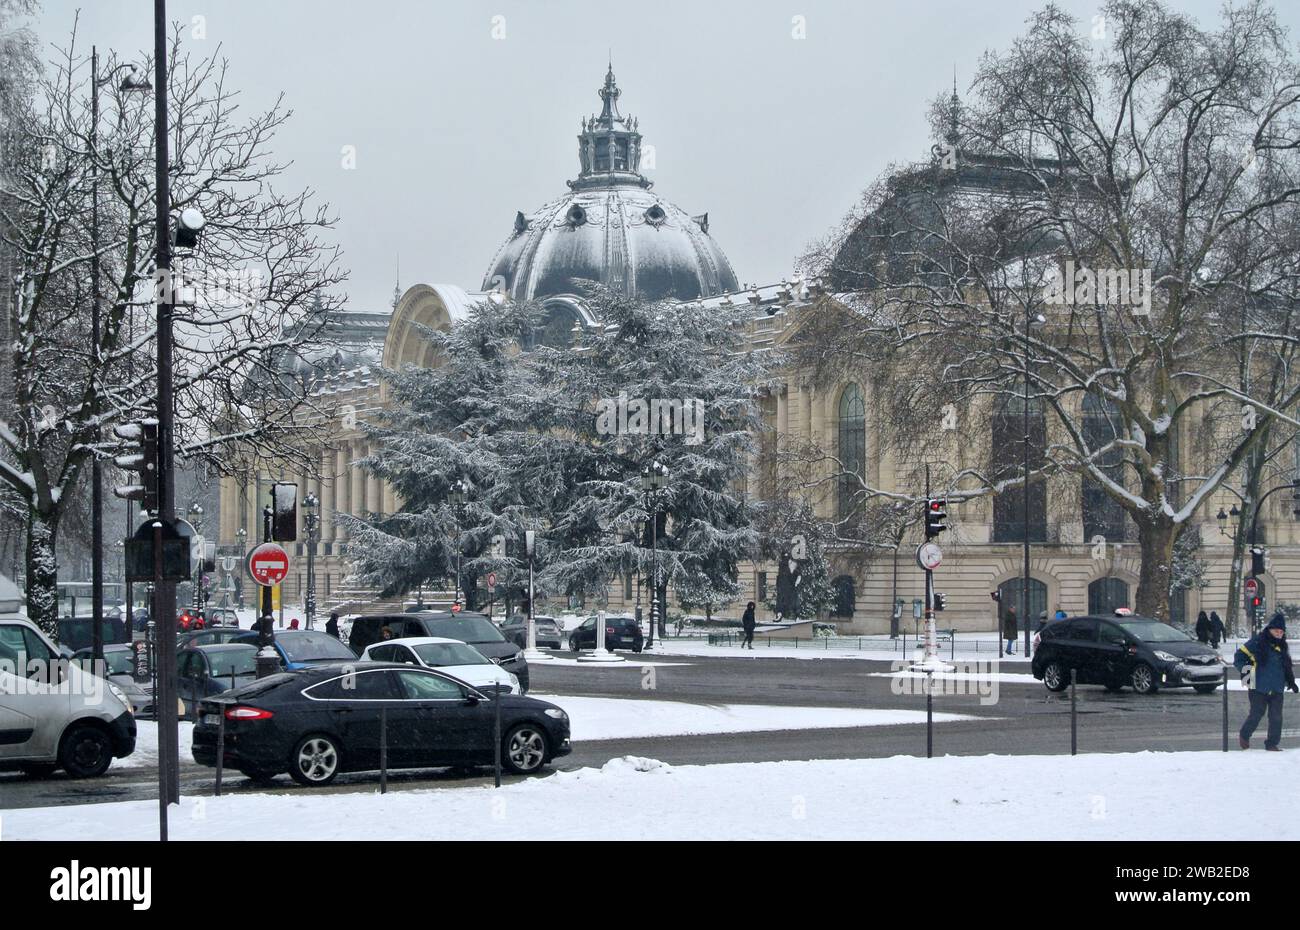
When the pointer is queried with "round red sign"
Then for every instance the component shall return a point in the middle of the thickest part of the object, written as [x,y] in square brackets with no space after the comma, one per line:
[1251,587]
[268,564]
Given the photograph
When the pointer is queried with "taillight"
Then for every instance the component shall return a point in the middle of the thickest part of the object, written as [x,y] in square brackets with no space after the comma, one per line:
[248,713]
[609,629]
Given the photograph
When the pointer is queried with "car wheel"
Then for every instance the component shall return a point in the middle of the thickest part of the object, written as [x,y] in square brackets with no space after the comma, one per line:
[525,750]
[1056,677]
[86,751]
[1144,679]
[573,644]
[1205,689]
[39,769]
[315,760]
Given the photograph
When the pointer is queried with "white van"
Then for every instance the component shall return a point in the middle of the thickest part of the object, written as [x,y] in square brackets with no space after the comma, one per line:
[54,715]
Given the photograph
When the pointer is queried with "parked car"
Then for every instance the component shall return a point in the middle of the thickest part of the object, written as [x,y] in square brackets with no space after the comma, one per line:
[303,648]
[1124,650]
[77,633]
[549,635]
[55,715]
[223,616]
[472,628]
[202,671]
[325,720]
[453,657]
[210,636]
[620,633]
[119,666]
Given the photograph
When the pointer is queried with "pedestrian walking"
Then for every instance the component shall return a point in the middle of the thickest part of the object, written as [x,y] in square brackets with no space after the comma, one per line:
[747,621]
[1009,630]
[1264,662]
[1202,627]
[1217,632]
[332,624]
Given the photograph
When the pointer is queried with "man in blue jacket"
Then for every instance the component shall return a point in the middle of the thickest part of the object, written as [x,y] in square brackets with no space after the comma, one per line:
[1264,662]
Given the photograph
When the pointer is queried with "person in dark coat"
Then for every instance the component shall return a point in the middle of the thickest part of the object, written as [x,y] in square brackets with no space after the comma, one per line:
[1202,627]
[1217,632]
[1009,630]
[1264,662]
[332,625]
[748,622]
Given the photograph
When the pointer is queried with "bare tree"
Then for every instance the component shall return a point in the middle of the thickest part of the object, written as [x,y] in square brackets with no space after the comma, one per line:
[245,295]
[1138,190]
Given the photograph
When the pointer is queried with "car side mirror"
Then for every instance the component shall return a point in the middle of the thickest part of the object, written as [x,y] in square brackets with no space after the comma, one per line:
[472,699]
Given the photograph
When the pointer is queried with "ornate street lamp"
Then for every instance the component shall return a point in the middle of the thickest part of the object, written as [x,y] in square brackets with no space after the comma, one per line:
[457,496]
[653,479]
[311,523]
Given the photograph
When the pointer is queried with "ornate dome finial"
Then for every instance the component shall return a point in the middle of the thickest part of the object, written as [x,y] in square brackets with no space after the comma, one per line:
[609,146]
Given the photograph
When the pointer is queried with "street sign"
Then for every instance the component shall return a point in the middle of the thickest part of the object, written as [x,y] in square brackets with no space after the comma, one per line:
[1252,587]
[176,562]
[492,581]
[929,556]
[268,564]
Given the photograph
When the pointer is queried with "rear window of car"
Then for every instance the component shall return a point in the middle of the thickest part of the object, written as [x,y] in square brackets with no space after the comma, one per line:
[304,647]
[465,629]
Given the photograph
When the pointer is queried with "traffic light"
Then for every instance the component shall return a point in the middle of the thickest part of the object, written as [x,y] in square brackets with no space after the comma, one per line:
[1256,561]
[142,457]
[939,600]
[936,512]
[284,516]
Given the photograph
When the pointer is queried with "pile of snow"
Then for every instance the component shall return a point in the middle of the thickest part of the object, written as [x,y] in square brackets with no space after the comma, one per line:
[1090,797]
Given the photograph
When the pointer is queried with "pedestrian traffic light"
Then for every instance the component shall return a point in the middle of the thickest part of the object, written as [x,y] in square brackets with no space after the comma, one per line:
[939,600]
[142,457]
[284,517]
[1256,561]
[936,512]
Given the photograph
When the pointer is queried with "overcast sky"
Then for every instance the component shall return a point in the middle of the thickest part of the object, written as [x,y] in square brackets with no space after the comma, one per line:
[464,112]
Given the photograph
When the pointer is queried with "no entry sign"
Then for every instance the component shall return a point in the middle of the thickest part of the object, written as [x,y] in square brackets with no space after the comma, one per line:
[1252,587]
[268,564]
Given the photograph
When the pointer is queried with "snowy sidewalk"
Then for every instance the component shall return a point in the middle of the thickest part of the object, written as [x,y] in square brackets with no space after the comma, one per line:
[1140,796]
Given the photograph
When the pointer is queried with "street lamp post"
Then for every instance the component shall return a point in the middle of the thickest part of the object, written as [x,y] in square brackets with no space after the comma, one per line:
[458,495]
[130,83]
[311,524]
[196,520]
[1030,321]
[242,535]
[653,479]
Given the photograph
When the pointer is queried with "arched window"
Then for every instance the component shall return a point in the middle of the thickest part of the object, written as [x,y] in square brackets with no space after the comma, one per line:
[852,449]
[1009,596]
[1102,513]
[844,596]
[556,329]
[1105,594]
[1008,462]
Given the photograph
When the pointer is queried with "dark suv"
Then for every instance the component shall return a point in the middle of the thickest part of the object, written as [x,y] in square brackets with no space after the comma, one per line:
[620,633]
[1124,650]
[472,628]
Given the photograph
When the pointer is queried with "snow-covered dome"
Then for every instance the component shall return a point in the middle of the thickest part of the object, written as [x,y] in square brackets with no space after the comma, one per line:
[611,228]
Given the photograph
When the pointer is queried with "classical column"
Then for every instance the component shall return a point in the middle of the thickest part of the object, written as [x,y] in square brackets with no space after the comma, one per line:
[357,500]
[327,486]
[782,416]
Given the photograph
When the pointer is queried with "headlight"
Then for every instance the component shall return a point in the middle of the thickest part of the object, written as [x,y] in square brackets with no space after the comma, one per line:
[514,681]
[1166,657]
[119,694]
[556,713]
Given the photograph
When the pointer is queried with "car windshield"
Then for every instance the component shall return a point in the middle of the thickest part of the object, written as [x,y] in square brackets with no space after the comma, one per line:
[437,654]
[465,629]
[227,662]
[307,647]
[1153,631]
[119,661]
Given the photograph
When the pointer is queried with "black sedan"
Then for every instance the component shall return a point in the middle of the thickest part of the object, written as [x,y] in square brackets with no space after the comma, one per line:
[620,633]
[1124,650]
[549,635]
[323,720]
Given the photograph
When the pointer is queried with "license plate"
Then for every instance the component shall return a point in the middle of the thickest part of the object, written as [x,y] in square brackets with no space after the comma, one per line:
[212,720]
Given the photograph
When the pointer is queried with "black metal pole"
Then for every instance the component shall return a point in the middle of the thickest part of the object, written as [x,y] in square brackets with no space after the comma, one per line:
[1074,712]
[654,567]
[1225,708]
[1024,586]
[496,737]
[221,749]
[162,711]
[96,470]
[383,750]
[929,715]
[164,591]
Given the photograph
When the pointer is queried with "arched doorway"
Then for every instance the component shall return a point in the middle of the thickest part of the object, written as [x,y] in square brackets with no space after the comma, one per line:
[1105,594]
[1009,596]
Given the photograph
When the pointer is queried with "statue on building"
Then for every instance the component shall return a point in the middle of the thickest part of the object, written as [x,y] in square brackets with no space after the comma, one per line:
[788,576]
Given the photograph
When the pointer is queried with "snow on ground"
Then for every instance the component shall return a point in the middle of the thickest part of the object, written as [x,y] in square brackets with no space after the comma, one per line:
[592,718]
[146,745]
[1091,797]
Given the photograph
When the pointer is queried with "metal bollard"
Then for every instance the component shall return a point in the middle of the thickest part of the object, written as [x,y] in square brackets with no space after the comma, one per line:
[383,750]
[221,751]
[1074,713]
[929,715]
[496,730]
[1225,708]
